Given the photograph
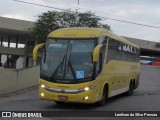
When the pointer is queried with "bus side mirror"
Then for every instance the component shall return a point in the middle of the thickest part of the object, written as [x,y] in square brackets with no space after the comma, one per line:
[96,52]
[35,50]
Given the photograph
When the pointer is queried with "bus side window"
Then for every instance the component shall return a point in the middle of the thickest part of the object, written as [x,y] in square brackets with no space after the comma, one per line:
[110,50]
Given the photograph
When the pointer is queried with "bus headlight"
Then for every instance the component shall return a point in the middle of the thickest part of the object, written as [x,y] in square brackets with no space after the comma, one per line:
[42,86]
[87,88]
[42,94]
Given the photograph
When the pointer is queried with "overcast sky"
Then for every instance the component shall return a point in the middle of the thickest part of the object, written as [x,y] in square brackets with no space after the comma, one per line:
[138,11]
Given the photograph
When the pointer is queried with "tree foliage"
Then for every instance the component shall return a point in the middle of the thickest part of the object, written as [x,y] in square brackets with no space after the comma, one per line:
[53,20]
[157,45]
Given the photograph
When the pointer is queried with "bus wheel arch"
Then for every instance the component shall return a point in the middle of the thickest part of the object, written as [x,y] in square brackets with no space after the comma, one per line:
[105,91]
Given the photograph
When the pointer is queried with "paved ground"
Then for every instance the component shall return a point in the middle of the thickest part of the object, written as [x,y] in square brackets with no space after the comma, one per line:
[145,98]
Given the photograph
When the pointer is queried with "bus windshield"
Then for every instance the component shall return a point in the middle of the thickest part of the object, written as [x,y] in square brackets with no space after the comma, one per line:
[68,60]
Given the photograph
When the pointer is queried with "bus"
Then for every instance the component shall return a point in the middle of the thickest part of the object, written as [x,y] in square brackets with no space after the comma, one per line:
[87,65]
[148,60]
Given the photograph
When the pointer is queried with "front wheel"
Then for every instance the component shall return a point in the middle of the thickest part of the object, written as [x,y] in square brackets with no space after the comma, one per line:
[104,97]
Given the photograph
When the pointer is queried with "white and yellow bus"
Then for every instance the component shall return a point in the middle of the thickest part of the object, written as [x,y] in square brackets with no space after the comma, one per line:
[87,65]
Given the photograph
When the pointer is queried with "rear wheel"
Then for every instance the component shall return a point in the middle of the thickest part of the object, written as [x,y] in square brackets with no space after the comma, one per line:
[134,85]
[131,88]
[104,97]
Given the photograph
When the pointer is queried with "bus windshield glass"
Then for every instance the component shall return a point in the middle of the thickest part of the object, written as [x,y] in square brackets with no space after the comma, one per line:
[68,60]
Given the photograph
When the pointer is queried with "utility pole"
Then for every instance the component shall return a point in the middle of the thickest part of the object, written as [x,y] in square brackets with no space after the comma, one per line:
[77,6]
[77,13]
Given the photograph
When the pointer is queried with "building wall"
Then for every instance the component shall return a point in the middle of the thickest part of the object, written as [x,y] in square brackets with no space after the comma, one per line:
[19,25]
[14,80]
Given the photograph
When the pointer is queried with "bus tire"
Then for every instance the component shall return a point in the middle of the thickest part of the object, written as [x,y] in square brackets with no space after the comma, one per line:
[137,82]
[131,88]
[134,84]
[104,96]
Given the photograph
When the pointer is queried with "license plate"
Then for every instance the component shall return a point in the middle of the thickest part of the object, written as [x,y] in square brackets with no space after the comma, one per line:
[62,98]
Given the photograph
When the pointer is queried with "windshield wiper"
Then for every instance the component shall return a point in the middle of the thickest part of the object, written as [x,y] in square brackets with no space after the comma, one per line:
[57,68]
[55,71]
[63,62]
[72,70]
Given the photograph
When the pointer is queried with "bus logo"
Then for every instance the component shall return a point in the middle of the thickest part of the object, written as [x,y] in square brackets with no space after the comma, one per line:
[62,91]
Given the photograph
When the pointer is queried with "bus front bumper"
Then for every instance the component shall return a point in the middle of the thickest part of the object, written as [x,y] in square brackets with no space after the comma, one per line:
[89,96]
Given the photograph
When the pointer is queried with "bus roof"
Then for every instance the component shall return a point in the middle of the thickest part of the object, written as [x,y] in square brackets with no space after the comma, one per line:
[84,32]
[78,32]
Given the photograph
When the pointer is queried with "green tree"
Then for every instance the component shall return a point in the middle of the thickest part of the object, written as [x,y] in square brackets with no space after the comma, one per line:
[53,20]
[157,45]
